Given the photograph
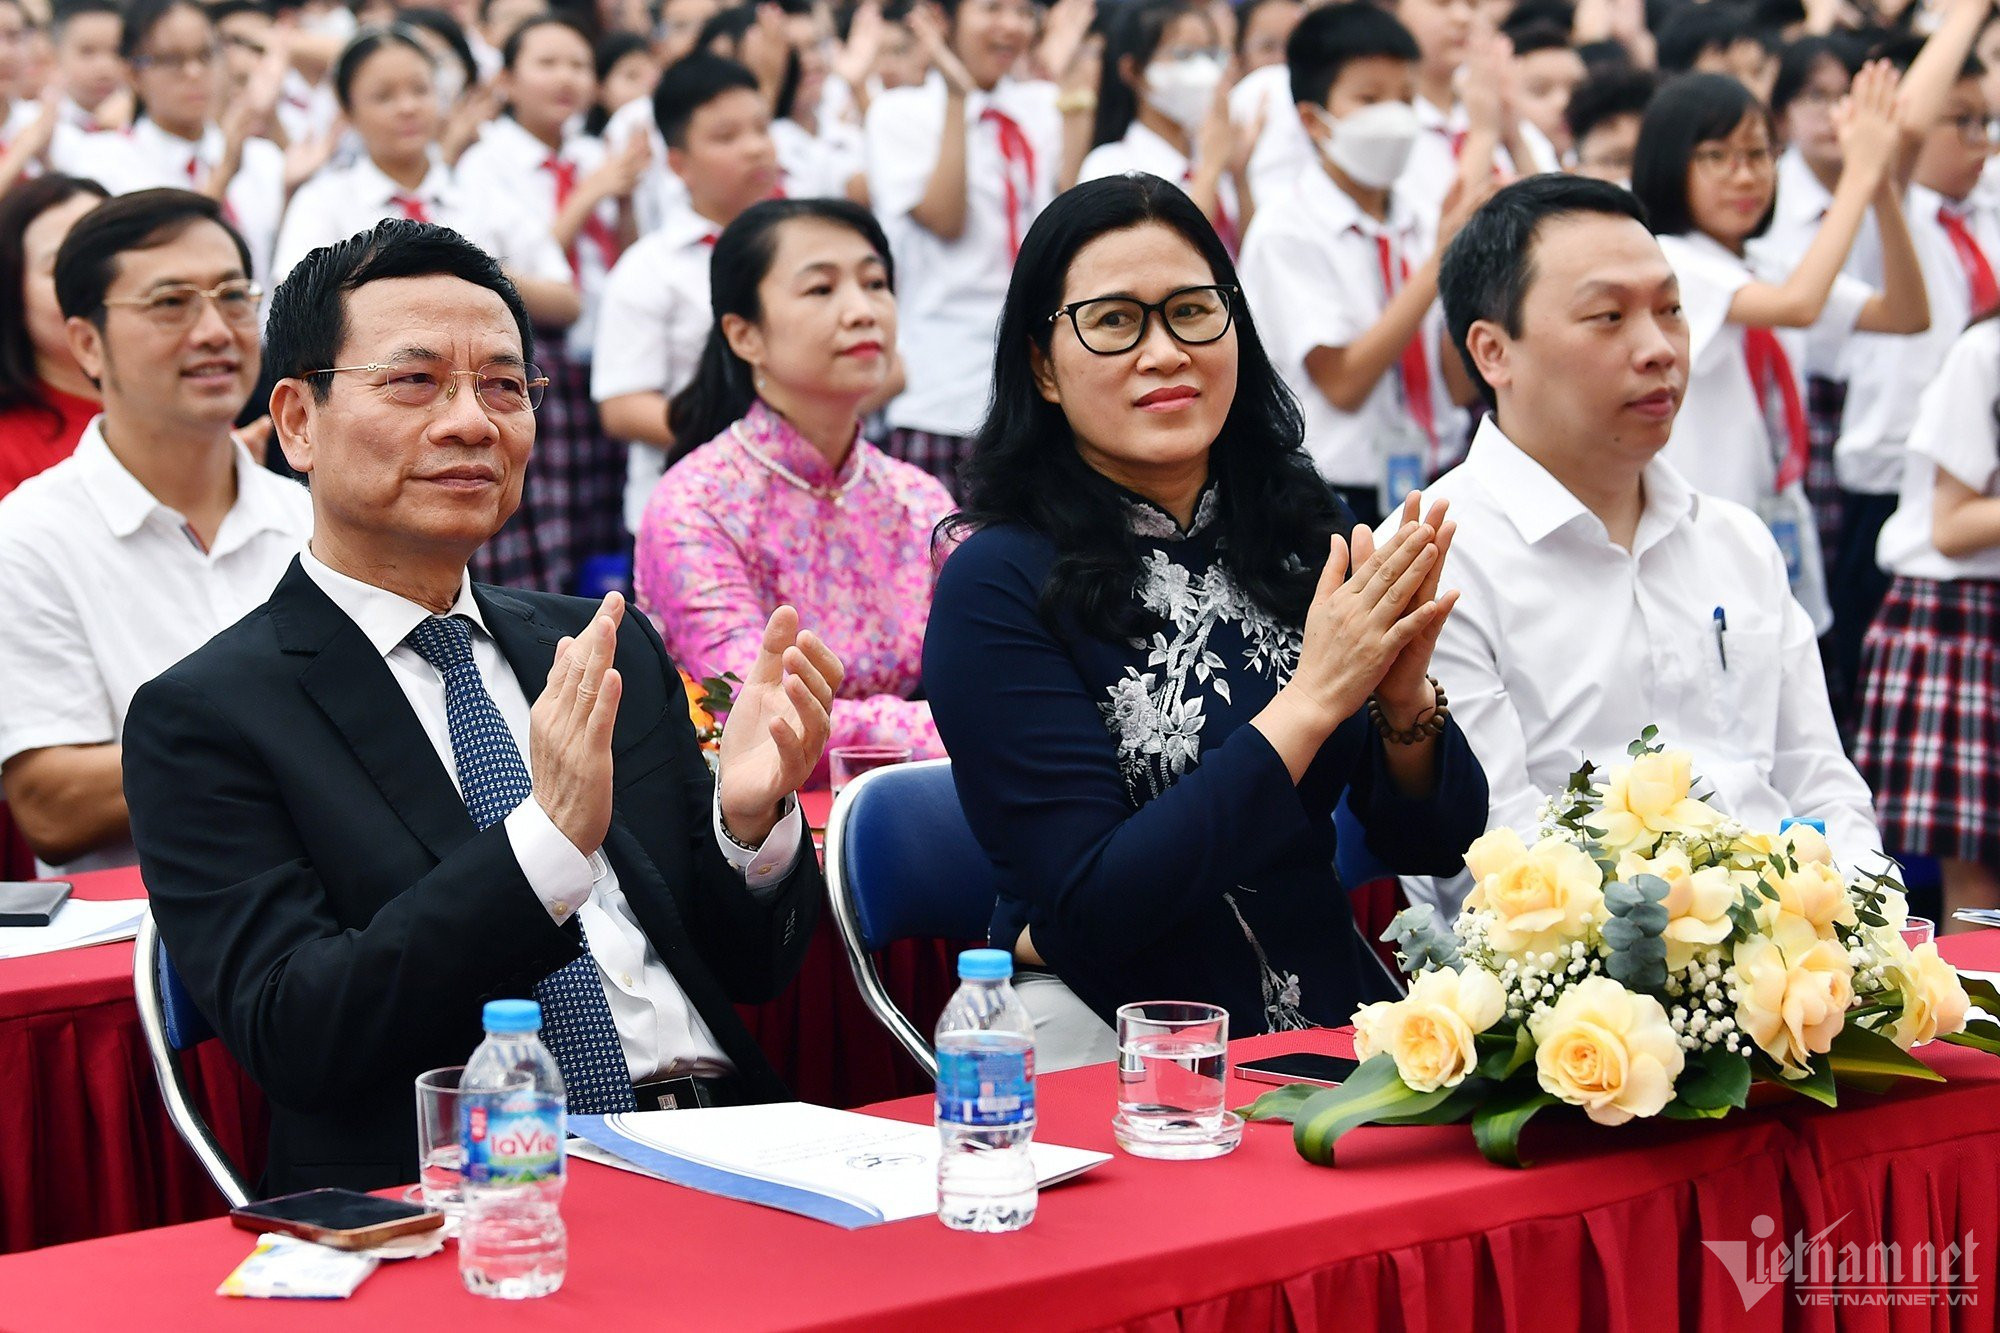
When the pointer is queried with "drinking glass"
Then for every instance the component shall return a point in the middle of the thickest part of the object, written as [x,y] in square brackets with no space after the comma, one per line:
[440,1155]
[1173,1068]
[1918,930]
[849,762]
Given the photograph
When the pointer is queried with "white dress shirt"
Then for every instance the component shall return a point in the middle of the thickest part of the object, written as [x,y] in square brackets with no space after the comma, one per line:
[1312,276]
[341,200]
[146,157]
[509,163]
[652,324]
[1283,147]
[1565,646]
[661,1033]
[949,293]
[102,587]
[1954,432]
[1142,149]
[660,194]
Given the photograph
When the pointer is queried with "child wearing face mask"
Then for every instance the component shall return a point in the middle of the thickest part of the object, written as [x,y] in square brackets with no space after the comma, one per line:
[1162,108]
[1342,271]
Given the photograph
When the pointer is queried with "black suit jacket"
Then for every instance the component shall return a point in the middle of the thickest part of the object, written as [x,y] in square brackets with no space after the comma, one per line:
[334,912]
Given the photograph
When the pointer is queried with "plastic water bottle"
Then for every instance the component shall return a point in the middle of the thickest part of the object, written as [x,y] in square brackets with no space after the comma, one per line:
[511,1120]
[985,1099]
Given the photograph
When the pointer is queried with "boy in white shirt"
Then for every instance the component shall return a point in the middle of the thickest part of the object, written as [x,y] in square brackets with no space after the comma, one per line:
[1600,594]
[1343,274]
[653,318]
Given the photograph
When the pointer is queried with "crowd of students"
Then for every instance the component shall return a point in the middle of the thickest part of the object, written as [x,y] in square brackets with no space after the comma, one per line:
[717,365]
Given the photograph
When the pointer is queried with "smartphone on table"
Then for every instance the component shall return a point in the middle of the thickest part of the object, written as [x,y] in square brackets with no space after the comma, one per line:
[344,1219]
[1298,1067]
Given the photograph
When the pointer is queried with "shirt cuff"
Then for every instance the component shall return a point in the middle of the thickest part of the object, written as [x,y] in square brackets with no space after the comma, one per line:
[560,875]
[763,868]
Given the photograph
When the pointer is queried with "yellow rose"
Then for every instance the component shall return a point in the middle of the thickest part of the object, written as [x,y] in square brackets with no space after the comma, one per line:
[1494,851]
[1539,900]
[1608,1050]
[1649,797]
[1816,894]
[1934,1001]
[1807,844]
[1429,1032]
[1697,902]
[1794,989]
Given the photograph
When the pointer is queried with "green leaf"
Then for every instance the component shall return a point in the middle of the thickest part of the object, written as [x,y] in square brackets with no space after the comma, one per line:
[1502,1051]
[1461,1102]
[1857,1051]
[1816,1086]
[1980,1035]
[1983,992]
[1497,1125]
[1372,1092]
[1712,1083]
[1280,1103]
[1680,1110]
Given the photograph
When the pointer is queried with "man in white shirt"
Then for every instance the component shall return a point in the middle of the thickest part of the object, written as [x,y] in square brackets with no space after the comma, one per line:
[159,531]
[1599,593]
[653,317]
[354,826]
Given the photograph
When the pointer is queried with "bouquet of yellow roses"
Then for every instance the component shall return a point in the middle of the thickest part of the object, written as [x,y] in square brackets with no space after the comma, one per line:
[1647,955]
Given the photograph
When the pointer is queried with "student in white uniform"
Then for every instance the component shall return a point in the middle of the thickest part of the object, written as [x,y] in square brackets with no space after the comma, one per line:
[1706,172]
[1161,109]
[1599,593]
[1930,717]
[654,318]
[572,187]
[179,138]
[958,168]
[1262,29]
[1342,272]
[85,33]
[383,78]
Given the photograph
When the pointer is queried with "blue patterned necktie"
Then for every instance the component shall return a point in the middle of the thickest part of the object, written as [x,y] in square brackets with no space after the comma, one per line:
[576,1018]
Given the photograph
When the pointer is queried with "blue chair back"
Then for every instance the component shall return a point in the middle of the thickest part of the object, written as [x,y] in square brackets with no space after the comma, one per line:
[172,1025]
[902,864]
[179,1019]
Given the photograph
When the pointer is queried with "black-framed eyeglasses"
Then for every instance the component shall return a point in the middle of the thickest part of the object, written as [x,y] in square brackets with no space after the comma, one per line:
[1108,325]
[503,387]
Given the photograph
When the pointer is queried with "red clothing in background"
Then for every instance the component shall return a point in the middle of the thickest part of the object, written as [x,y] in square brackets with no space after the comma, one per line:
[31,440]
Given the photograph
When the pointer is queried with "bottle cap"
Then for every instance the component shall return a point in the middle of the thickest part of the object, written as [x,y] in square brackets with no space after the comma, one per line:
[512,1016]
[985,965]
[1817,825]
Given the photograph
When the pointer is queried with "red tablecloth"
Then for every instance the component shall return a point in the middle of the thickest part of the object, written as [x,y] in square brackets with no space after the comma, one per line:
[1413,1231]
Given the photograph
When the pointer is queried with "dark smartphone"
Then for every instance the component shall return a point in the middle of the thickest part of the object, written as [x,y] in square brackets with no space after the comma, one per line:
[31,902]
[344,1219]
[1299,1067]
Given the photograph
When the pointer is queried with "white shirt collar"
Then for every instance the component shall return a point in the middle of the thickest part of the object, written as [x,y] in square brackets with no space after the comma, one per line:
[207,150]
[513,139]
[385,617]
[1538,505]
[1144,137]
[126,504]
[683,228]
[372,185]
[1338,212]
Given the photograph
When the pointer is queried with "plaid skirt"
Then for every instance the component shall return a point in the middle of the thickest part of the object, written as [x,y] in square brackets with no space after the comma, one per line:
[1929,741]
[940,455]
[572,499]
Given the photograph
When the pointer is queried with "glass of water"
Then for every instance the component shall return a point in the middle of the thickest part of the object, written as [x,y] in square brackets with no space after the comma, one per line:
[440,1155]
[1918,931]
[1173,1069]
[848,762]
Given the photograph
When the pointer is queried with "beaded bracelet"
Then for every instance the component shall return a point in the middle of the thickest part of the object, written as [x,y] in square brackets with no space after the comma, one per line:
[1422,730]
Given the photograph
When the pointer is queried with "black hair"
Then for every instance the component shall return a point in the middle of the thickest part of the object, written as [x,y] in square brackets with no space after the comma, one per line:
[363,44]
[450,31]
[1607,96]
[721,391]
[87,262]
[510,51]
[1135,30]
[1691,110]
[1276,514]
[612,47]
[1243,13]
[1774,16]
[308,316]
[1796,65]
[688,85]
[1695,30]
[1538,13]
[142,16]
[218,10]
[20,385]
[1539,35]
[733,25]
[1328,39]
[1490,265]
[64,12]
[1608,54]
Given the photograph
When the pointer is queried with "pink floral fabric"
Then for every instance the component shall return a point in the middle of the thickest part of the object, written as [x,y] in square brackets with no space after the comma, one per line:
[725,541]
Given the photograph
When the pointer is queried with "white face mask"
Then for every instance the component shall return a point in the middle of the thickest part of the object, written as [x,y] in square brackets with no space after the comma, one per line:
[1183,90]
[1372,145]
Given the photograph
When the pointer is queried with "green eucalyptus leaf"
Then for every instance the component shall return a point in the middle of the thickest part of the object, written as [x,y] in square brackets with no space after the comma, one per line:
[1712,1080]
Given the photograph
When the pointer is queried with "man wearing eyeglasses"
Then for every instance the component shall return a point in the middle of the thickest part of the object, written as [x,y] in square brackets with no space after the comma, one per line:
[390,794]
[156,533]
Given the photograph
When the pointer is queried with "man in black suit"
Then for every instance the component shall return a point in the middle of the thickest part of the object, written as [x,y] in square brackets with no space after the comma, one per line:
[354,827]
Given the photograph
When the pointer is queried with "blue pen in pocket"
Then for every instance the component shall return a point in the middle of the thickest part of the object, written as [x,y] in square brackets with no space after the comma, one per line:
[1721,628]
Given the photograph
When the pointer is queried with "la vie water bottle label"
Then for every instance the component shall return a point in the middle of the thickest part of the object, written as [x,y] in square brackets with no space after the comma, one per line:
[510,1140]
[986,1087]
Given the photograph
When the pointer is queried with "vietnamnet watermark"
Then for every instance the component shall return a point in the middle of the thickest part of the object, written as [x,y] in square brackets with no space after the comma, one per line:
[1819,1272]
